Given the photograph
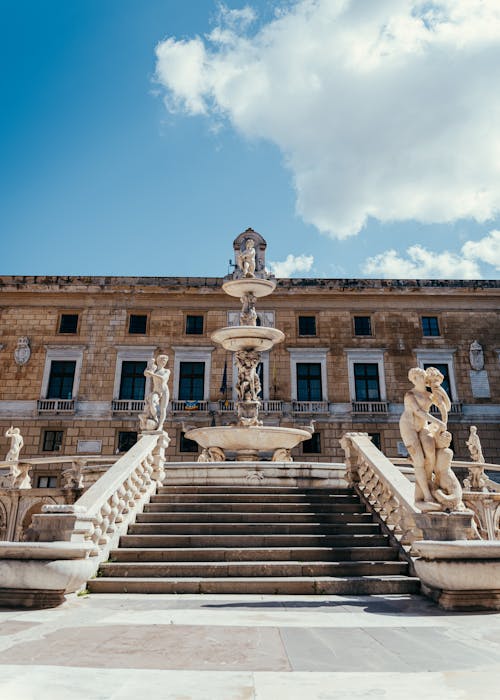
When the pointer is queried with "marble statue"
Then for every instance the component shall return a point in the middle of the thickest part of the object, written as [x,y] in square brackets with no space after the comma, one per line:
[248,382]
[16,444]
[474,445]
[281,454]
[246,259]
[156,402]
[73,476]
[248,315]
[22,353]
[427,440]
[476,356]
[212,454]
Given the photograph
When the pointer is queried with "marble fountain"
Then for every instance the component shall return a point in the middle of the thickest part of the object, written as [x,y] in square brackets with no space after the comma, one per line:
[249,437]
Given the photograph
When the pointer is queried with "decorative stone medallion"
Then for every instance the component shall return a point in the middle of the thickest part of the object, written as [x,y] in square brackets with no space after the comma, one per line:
[22,353]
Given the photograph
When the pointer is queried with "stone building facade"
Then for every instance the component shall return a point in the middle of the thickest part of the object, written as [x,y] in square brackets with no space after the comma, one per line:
[73,352]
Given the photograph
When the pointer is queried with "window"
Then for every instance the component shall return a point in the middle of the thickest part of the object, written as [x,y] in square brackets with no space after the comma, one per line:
[312,446]
[137,324]
[46,482]
[126,440]
[191,381]
[62,375]
[187,445]
[376,440]
[309,381]
[430,325]
[366,381]
[362,325]
[68,323]
[445,371]
[194,325]
[307,325]
[133,381]
[52,440]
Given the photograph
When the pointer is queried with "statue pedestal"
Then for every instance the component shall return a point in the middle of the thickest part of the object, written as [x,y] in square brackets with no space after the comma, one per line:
[446,526]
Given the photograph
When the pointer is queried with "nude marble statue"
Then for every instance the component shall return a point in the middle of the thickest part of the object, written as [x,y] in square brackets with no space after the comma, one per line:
[156,402]
[16,444]
[246,259]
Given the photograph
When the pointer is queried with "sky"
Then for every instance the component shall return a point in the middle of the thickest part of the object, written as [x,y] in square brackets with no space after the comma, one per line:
[360,138]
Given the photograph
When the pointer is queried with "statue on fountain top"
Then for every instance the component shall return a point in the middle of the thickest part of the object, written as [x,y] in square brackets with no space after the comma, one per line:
[427,440]
[246,259]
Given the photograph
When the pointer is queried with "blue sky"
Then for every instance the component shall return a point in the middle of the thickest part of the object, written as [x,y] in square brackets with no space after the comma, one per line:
[99,176]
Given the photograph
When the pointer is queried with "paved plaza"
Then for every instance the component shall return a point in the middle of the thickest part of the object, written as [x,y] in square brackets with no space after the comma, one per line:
[108,647]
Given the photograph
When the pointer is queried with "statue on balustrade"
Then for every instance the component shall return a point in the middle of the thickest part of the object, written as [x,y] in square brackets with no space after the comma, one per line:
[474,445]
[16,444]
[246,259]
[156,402]
[427,440]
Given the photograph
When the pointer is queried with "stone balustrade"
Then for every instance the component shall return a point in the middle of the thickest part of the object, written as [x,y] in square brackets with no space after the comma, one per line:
[89,528]
[385,488]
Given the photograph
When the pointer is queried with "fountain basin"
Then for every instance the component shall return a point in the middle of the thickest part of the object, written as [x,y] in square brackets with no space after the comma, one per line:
[236,338]
[247,442]
[246,285]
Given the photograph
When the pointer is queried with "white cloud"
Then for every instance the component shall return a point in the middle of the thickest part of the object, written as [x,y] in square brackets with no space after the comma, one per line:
[486,250]
[291,265]
[421,263]
[386,109]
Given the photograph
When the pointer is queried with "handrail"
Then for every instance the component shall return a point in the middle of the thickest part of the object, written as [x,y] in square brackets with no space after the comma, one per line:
[381,483]
[102,459]
[104,511]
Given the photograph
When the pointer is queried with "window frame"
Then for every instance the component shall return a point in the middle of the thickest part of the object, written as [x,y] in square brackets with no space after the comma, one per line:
[198,316]
[438,324]
[191,353]
[68,313]
[63,353]
[139,353]
[366,379]
[48,477]
[43,433]
[315,436]
[120,432]
[370,322]
[140,314]
[134,378]
[312,355]
[366,356]
[315,321]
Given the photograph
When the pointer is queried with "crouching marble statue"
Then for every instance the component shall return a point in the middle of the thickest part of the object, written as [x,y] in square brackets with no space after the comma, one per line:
[427,440]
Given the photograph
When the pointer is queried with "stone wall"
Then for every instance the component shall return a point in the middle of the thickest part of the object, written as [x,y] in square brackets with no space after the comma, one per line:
[466,311]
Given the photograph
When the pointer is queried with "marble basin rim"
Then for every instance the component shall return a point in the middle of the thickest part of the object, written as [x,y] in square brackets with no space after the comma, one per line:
[248,439]
[255,285]
[458,565]
[235,338]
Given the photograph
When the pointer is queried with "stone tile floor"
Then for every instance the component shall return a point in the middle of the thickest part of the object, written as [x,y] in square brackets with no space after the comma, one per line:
[119,647]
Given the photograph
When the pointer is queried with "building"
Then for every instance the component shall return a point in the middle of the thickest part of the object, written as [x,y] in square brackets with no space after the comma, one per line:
[74,349]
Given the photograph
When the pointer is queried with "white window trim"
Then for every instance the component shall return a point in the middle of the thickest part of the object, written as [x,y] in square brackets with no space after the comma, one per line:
[139,353]
[361,355]
[298,355]
[264,358]
[183,353]
[63,352]
[440,356]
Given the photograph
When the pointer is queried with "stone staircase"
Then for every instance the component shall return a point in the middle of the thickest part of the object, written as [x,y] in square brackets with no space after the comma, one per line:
[254,539]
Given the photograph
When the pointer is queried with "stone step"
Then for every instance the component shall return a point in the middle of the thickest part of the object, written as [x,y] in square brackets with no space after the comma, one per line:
[179,488]
[255,553]
[305,585]
[254,507]
[252,498]
[252,568]
[271,528]
[247,540]
[252,517]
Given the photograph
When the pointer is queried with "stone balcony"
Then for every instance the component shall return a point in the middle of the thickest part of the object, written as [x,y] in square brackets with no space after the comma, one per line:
[309,407]
[127,405]
[362,407]
[178,406]
[56,406]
